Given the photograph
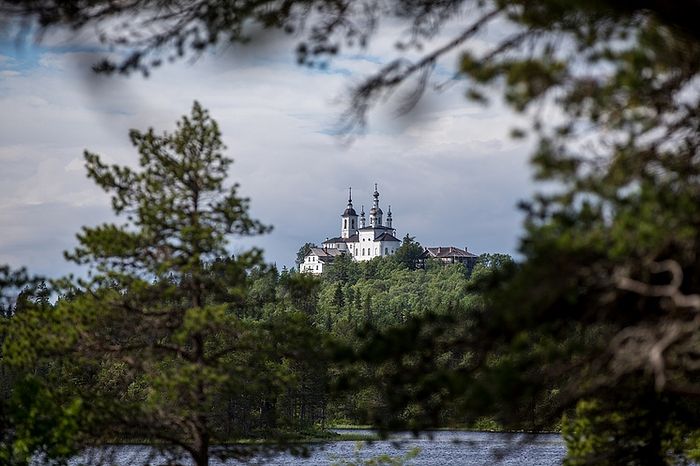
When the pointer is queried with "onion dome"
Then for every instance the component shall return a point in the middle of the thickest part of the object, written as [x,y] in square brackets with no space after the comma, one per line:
[349,210]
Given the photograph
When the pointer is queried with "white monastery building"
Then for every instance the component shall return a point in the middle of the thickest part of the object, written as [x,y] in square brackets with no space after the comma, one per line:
[359,240]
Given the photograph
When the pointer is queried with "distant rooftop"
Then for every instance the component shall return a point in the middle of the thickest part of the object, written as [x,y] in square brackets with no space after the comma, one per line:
[447,252]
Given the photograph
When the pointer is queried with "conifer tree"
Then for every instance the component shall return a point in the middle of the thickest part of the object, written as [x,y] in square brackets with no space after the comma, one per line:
[175,339]
[153,339]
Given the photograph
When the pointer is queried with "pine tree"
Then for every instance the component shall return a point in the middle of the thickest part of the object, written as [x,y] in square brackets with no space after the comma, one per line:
[369,316]
[153,309]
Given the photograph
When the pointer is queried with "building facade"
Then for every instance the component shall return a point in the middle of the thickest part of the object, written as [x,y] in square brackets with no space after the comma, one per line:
[359,239]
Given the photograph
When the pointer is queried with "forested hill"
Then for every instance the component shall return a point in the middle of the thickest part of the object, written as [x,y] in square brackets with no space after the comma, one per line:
[380,297]
[383,292]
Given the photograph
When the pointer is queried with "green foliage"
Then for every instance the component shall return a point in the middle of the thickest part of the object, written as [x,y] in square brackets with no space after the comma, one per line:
[385,292]
[342,270]
[168,329]
[11,281]
[409,253]
[43,426]
[491,265]
[629,430]
[178,209]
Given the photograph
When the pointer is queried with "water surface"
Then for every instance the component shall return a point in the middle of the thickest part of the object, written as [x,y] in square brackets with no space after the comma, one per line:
[438,449]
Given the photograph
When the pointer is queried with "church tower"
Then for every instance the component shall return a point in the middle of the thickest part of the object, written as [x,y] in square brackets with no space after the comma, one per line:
[375,213]
[363,222]
[349,219]
[388,218]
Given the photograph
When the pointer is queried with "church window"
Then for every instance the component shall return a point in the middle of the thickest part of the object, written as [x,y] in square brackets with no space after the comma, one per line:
[386,251]
[363,251]
[345,223]
[353,223]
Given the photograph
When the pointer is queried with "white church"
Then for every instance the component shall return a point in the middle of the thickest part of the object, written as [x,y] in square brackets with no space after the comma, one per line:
[359,240]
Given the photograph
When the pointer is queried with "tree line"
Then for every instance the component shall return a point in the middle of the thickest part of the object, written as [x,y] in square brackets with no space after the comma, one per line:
[595,329]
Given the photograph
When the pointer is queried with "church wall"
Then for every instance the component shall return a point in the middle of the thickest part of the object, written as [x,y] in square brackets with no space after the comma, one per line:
[388,248]
[366,248]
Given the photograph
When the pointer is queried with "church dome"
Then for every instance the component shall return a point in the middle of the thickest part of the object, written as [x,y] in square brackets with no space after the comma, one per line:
[349,212]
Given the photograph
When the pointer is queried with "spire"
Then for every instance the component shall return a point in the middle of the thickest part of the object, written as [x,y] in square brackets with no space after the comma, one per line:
[388,218]
[349,219]
[362,217]
[349,210]
[375,213]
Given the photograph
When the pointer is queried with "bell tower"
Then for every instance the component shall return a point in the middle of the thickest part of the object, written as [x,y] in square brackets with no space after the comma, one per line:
[349,219]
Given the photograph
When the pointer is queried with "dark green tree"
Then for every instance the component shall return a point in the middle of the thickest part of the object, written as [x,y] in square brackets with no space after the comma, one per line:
[12,283]
[338,298]
[341,270]
[409,253]
[300,290]
[151,326]
[367,307]
[303,252]
[488,264]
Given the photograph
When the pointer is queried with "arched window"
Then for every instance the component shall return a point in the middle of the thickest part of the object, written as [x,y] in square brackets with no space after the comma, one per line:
[353,223]
[363,251]
[345,223]
[386,251]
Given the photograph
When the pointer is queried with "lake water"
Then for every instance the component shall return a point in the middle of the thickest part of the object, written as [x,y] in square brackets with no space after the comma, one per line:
[444,448]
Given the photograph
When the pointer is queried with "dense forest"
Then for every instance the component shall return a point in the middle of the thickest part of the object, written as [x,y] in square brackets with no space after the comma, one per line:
[293,330]
[595,330]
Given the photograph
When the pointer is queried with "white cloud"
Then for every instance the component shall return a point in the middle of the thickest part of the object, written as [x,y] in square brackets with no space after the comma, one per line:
[7,61]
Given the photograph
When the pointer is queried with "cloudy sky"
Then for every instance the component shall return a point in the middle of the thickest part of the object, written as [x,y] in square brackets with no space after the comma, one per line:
[448,169]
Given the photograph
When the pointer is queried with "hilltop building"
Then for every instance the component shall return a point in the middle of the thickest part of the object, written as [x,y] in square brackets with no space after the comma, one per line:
[449,255]
[363,241]
[358,239]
